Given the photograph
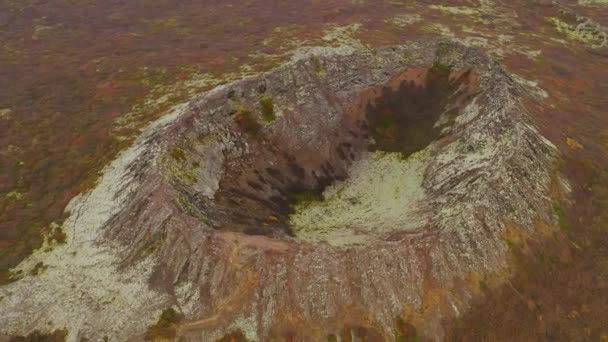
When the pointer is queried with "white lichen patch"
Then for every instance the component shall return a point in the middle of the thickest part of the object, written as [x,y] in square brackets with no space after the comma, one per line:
[382,194]
[77,285]
[592,2]
[188,298]
[14,195]
[469,113]
[480,153]
[498,47]
[531,54]
[531,86]
[438,28]
[5,113]
[581,29]
[459,10]
[403,20]
[475,41]
[476,13]
[320,51]
[342,35]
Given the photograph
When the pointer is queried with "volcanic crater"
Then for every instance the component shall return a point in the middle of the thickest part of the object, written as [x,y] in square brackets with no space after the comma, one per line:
[337,194]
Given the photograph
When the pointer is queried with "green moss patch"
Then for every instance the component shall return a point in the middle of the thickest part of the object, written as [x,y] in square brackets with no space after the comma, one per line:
[178,154]
[559,212]
[316,62]
[157,241]
[299,200]
[267,108]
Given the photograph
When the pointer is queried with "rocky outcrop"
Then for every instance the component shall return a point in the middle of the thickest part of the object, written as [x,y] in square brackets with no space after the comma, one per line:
[245,210]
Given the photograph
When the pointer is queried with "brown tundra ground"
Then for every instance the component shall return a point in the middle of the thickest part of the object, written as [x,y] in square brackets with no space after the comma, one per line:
[80,78]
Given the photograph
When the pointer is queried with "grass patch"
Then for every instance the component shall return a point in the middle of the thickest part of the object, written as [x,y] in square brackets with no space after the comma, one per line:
[559,212]
[267,108]
[185,204]
[153,246]
[183,172]
[316,62]
[188,176]
[178,154]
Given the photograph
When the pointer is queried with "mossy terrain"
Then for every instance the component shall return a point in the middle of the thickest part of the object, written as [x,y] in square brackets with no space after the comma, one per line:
[302,199]
[317,65]
[157,241]
[267,108]
[561,217]
[180,162]
[178,154]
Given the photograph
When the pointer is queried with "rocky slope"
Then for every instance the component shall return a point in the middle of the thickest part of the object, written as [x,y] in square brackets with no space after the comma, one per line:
[332,195]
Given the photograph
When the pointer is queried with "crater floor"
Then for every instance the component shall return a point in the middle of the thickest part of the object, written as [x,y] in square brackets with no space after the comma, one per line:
[382,194]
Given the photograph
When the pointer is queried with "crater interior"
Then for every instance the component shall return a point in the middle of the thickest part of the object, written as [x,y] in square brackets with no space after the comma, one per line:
[364,182]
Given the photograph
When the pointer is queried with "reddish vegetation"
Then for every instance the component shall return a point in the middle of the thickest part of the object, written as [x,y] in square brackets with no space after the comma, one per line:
[560,286]
[65,87]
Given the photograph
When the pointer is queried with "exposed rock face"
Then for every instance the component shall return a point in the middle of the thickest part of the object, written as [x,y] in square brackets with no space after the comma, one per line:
[209,206]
